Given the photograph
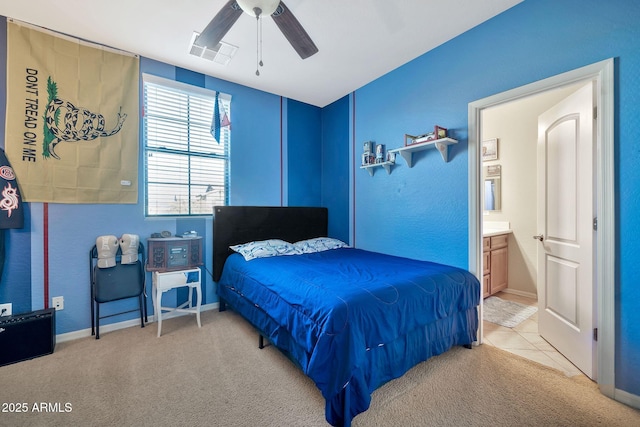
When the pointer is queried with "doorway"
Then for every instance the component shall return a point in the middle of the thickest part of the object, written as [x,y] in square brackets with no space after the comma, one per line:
[513,127]
[602,74]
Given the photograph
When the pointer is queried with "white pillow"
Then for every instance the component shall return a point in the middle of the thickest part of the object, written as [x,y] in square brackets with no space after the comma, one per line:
[265,248]
[319,244]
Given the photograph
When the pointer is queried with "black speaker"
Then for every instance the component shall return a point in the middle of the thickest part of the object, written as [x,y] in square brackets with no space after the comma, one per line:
[25,336]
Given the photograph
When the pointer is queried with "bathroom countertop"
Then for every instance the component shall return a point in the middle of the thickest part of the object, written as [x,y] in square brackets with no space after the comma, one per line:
[495,232]
[495,228]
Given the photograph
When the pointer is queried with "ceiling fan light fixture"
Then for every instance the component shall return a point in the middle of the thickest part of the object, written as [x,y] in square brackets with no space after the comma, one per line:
[265,7]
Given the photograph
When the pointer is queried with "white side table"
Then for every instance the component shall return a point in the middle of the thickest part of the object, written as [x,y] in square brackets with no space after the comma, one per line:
[164,281]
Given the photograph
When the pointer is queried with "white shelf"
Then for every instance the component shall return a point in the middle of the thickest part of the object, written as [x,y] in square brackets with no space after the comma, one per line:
[371,168]
[442,145]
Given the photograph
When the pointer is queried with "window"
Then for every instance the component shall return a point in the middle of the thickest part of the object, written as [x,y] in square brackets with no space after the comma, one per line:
[186,169]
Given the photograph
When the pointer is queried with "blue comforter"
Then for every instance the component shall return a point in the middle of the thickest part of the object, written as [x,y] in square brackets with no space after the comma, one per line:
[350,317]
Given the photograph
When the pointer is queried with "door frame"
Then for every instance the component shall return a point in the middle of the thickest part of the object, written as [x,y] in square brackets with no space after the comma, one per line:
[604,278]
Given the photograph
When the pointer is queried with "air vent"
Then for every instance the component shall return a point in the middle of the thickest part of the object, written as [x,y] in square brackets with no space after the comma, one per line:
[220,54]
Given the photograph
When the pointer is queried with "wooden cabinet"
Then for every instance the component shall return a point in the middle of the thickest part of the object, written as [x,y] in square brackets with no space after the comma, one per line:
[486,278]
[495,257]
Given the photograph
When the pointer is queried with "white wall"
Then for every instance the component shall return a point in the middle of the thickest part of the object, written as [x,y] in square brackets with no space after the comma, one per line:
[515,125]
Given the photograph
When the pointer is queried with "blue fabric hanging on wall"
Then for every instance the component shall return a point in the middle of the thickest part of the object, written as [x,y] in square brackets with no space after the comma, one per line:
[215,122]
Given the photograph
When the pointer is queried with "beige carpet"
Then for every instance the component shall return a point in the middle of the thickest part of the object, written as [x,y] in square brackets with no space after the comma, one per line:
[216,376]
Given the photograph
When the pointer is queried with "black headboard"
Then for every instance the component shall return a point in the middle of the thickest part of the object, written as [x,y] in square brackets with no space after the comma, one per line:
[233,225]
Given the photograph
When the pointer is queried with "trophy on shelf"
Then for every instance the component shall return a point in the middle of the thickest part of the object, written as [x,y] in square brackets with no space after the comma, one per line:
[367,153]
[380,153]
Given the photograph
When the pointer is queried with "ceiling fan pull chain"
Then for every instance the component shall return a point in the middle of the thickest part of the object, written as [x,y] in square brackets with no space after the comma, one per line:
[257,44]
[260,63]
[258,13]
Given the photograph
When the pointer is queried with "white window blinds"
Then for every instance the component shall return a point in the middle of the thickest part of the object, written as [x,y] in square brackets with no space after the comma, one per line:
[186,169]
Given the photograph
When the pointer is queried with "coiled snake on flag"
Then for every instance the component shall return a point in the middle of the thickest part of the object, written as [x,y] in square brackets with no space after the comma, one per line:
[92,125]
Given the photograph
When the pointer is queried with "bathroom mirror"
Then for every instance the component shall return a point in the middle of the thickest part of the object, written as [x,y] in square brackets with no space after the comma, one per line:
[492,188]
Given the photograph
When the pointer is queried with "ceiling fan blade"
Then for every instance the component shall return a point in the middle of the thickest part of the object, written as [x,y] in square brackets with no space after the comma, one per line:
[219,25]
[293,31]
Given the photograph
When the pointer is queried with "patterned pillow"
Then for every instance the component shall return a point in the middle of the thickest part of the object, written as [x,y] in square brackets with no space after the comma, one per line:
[319,244]
[265,248]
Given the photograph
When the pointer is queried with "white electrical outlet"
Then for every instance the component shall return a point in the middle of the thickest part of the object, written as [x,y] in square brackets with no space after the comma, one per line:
[58,303]
[5,309]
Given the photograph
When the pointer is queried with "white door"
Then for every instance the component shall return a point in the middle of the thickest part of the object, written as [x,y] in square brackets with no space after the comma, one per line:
[566,211]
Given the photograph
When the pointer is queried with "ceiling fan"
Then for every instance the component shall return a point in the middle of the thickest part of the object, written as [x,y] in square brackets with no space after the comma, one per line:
[282,16]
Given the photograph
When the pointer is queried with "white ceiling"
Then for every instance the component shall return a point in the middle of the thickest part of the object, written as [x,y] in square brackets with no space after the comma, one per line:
[358,40]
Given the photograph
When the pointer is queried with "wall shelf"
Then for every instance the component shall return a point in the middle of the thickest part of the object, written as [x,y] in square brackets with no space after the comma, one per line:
[372,167]
[442,145]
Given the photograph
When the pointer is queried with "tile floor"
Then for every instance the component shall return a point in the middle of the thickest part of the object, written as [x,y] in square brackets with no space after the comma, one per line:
[524,340]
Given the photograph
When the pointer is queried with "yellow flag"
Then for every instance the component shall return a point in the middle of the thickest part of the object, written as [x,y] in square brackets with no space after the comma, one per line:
[72,118]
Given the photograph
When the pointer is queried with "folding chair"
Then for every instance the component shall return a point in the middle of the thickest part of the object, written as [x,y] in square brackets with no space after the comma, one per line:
[116,283]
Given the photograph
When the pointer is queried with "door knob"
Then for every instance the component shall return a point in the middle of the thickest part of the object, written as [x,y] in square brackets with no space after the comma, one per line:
[539,237]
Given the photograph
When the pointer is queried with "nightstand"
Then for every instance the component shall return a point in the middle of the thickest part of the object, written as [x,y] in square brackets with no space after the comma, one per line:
[164,281]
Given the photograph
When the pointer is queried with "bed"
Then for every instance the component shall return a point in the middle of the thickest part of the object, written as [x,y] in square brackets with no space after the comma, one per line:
[351,319]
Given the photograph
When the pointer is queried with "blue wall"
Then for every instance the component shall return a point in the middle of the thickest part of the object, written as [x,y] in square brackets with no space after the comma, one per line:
[303,153]
[335,166]
[422,211]
[255,178]
[419,212]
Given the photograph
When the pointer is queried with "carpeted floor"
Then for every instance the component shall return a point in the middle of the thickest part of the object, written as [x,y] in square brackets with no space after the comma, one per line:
[216,375]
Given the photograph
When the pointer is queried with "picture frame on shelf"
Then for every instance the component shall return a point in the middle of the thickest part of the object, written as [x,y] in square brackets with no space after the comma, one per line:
[490,149]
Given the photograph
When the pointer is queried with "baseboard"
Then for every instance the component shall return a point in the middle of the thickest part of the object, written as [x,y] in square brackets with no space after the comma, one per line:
[83,333]
[629,399]
[520,293]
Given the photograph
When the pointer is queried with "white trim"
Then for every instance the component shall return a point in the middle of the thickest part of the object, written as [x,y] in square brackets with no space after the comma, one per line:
[627,398]
[84,333]
[475,196]
[603,73]
[606,252]
[184,87]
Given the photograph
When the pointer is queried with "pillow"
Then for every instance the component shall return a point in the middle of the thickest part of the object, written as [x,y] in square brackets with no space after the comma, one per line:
[265,248]
[319,244]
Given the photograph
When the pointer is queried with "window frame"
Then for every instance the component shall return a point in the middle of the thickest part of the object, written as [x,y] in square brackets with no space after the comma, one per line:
[189,154]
